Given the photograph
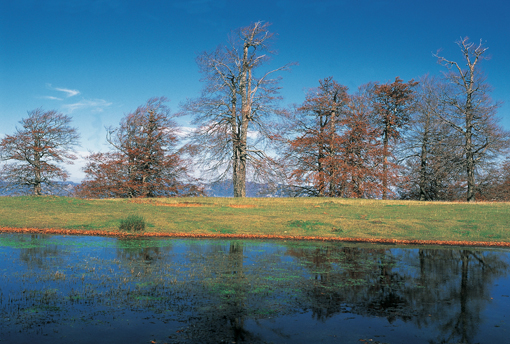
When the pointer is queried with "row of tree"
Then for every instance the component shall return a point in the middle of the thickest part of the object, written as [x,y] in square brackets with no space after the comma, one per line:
[432,139]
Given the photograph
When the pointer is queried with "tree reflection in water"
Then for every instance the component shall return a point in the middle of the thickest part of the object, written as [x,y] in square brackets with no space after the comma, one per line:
[449,290]
[210,291]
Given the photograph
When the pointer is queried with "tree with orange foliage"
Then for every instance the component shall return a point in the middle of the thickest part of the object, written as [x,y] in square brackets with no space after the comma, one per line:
[332,149]
[360,150]
[45,140]
[312,154]
[145,162]
[392,104]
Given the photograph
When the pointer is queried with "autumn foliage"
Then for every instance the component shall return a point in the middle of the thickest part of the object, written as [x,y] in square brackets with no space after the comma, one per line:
[335,147]
[437,139]
[313,152]
[144,161]
[392,107]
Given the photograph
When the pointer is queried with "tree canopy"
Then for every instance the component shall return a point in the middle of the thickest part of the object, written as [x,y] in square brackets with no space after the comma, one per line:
[36,150]
[432,139]
[144,161]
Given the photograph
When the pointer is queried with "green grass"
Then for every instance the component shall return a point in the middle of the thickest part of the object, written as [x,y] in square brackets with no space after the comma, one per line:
[323,217]
[132,222]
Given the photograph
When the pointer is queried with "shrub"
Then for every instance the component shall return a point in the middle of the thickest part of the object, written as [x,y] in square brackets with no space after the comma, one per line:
[132,222]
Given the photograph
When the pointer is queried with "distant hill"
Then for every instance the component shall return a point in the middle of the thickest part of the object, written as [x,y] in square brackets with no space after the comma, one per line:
[63,189]
[217,189]
[226,189]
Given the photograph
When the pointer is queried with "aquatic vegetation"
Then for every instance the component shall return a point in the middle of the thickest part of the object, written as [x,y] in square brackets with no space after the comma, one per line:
[143,289]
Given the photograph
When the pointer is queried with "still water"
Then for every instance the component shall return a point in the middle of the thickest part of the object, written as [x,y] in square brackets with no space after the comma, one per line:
[56,289]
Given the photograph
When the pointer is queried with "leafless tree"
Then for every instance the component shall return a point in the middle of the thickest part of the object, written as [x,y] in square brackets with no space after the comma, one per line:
[433,160]
[236,102]
[470,110]
[494,182]
[35,151]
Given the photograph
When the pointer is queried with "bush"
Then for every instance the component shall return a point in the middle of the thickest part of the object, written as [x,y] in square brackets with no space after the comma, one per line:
[132,222]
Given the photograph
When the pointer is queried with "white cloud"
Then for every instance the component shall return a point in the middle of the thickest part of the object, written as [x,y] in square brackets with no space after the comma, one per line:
[253,134]
[51,98]
[76,169]
[185,131]
[70,93]
[97,105]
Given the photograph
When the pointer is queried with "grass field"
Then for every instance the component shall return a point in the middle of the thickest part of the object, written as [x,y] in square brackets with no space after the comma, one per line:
[288,217]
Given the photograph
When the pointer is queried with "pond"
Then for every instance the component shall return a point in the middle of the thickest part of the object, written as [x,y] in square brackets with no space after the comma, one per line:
[58,289]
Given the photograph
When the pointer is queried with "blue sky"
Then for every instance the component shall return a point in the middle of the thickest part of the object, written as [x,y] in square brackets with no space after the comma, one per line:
[98,60]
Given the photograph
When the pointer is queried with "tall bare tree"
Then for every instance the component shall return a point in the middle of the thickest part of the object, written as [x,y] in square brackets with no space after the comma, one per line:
[236,101]
[45,140]
[430,150]
[471,111]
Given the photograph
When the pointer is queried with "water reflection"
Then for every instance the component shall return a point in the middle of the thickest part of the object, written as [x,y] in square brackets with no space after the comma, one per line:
[55,289]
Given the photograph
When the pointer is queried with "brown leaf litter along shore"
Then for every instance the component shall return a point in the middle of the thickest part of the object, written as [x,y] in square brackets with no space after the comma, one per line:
[249,236]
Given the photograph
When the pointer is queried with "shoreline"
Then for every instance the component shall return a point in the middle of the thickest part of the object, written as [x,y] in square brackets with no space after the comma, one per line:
[118,234]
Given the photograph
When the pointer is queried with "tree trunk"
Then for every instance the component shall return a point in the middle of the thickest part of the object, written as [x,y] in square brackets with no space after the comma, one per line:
[37,182]
[240,154]
[470,162]
[320,160]
[239,173]
[470,169]
[332,155]
[37,169]
[385,162]
[423,167]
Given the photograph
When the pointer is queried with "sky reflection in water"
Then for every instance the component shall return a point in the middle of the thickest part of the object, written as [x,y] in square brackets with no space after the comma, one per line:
[58,289]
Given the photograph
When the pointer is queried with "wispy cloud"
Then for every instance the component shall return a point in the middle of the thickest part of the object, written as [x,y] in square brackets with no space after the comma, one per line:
[69,92]
[51,98]
[97,105]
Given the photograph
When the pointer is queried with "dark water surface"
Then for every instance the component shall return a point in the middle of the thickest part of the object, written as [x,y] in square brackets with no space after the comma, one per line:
[56,289]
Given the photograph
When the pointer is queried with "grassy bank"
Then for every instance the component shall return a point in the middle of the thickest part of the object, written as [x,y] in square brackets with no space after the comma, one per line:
[319,217]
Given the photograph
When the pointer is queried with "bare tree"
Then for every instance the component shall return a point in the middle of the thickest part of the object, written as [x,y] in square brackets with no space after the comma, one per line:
[471,111]
[235,102]
[45,140]
[431,153]
[495,183]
